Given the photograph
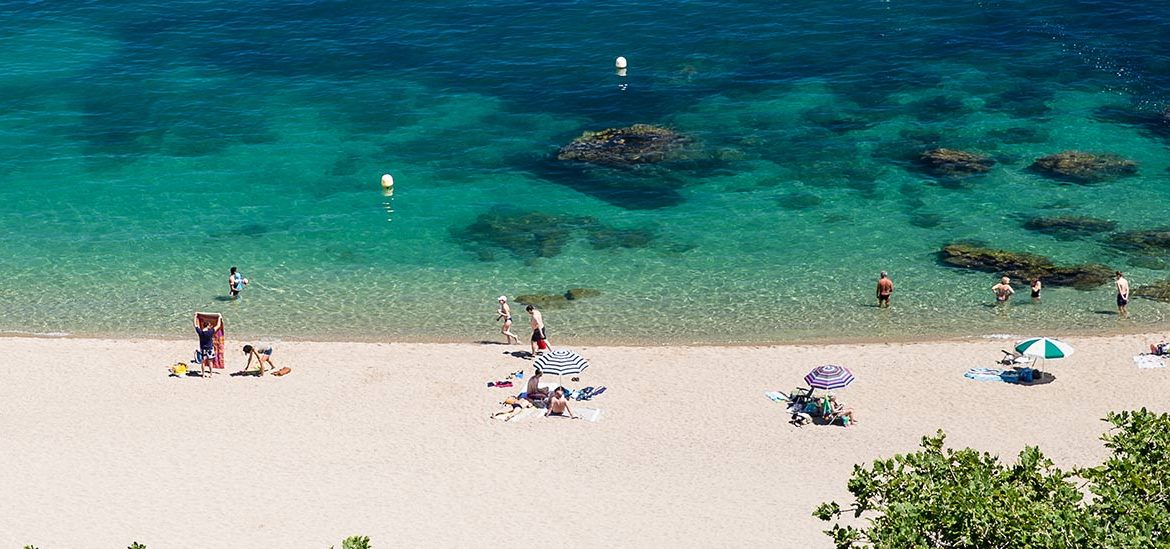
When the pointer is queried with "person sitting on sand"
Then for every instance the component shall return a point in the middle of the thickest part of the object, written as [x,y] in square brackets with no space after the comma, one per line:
[838,410]
[512,408]
[263,356]
[558,405]
[535,392]
[1160,348]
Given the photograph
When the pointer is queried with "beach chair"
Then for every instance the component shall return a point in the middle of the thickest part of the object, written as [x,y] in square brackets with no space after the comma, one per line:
[1014,359]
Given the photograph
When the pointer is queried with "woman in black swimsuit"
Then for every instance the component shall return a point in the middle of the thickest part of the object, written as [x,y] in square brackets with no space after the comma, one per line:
[1036,286]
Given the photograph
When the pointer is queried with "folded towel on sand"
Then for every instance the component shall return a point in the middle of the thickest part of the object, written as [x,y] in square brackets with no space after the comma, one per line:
[589,414]
[1149,361]
[776,396]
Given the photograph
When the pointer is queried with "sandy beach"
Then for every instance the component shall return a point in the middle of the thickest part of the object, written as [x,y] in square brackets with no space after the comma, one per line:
[99,447]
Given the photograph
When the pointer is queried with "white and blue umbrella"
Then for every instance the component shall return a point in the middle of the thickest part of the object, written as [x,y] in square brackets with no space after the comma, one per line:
[829,377]
[1043,347]
[561,362]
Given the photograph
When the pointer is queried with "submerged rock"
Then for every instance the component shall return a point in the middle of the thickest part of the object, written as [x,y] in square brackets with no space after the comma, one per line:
[1083,167]
[1024,266]
[1151,241]
[556,301]
[1158,291]
[526,235]
[637,144]
[1067,227]
[954,163]
[543,301]
[581,293]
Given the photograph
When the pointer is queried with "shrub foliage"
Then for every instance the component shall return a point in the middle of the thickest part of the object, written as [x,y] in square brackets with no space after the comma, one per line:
[940,497]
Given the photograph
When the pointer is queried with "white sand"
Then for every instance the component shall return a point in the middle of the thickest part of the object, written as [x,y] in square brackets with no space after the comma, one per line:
[98,447]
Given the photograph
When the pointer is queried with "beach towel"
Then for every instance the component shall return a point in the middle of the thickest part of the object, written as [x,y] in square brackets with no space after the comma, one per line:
[984,374]
[1149,361]
[589,414]
[776,396]
[217,362]
[523,415]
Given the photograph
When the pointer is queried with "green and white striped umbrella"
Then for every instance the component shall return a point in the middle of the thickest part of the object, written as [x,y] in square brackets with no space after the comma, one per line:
[1043,347]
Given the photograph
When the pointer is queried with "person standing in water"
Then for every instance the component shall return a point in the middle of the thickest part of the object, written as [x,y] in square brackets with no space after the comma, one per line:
[1122,295]
[885,287]
[1036,287]
[1003,290]
[236,283]
[505,312]
[539,336]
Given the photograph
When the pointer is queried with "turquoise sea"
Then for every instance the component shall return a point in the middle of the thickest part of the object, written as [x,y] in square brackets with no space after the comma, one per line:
[147,146]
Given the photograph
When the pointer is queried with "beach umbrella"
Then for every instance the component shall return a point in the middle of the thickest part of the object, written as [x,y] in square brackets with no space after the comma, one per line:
[1043,347]
[561,362]
[829,377]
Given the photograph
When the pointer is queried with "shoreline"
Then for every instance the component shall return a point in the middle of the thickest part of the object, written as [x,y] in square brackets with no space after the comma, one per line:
[828,340]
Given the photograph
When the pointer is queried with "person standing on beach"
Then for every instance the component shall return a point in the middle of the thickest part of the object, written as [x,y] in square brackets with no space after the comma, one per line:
[236,283]
[206,352]
[1003,290]
[885,287]
[1036,287]
[539,336]
[505,312]
[1122,295]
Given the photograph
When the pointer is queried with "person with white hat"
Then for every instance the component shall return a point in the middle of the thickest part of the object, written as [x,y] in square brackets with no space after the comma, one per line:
[505,313]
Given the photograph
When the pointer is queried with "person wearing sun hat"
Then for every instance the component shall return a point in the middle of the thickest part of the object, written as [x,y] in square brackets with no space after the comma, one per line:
[504,312]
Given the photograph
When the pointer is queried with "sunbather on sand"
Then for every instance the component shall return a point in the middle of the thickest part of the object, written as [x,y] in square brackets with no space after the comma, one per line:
[836,410]
[512,407]
[535,392]
[558,405]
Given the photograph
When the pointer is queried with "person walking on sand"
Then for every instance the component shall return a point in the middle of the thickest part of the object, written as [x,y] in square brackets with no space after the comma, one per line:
[885,287]
[1122,295]
[1003,290]
[505,312]
[539,335]
[1036,287]
[236,283]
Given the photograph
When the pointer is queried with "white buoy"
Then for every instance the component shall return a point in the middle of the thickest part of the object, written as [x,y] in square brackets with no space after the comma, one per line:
[620,65]
[387,181]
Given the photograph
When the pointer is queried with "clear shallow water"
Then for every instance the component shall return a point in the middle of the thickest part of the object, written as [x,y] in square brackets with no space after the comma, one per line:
[146,147]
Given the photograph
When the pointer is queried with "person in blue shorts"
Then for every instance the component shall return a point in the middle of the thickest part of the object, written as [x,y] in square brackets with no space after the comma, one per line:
[262,356]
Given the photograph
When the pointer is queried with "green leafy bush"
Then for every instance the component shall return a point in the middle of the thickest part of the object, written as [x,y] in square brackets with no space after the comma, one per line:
[939,497]
[355,542]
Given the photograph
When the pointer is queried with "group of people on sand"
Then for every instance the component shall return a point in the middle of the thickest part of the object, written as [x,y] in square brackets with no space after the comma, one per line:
[555,403]
[1003,291]
[539,337]
[206,329]
[206,354]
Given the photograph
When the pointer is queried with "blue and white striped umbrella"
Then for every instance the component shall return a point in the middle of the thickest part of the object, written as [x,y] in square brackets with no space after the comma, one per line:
[829,377]
[561,362]
[1043,347]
